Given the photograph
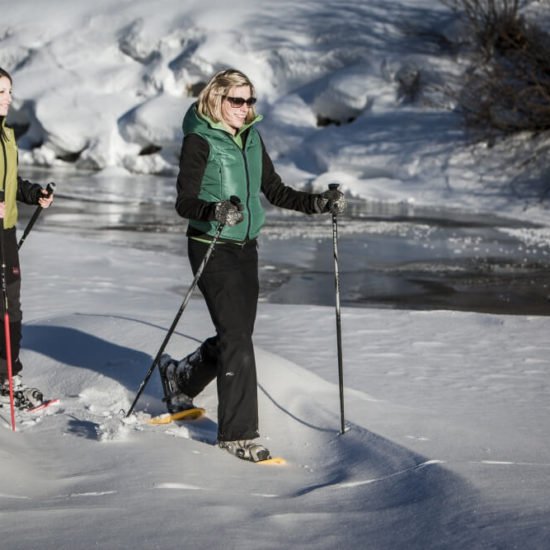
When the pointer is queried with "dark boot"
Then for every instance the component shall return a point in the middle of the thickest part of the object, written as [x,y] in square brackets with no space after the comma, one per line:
[175,399]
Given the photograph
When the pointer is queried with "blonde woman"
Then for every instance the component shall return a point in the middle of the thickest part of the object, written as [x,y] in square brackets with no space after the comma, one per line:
[223,156]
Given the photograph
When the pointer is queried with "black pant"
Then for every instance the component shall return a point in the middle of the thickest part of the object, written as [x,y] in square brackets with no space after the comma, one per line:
[230,286]
[13,287]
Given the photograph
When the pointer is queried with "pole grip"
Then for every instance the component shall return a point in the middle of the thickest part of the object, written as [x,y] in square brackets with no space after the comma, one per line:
[50,188]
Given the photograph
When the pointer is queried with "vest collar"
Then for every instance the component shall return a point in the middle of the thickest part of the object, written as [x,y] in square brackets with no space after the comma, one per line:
[221,126]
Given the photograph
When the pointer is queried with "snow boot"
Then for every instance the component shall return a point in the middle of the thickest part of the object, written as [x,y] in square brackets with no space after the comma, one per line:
[23,397]
[170,373]
[245,449]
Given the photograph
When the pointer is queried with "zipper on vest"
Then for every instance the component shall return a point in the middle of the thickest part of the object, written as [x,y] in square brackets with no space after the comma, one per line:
[247,174]
[5,178]
[247,193]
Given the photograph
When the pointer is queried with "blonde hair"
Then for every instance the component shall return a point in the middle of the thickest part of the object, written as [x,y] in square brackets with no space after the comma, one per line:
[211,97]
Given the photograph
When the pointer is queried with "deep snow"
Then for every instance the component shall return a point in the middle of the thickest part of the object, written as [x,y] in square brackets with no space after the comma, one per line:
[447,447]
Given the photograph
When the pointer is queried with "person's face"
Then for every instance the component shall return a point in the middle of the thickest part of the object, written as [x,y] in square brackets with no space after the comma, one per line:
[5,95]
[233,115]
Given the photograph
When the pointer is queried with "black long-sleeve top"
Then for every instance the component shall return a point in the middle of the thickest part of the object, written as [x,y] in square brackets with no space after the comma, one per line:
[193,159]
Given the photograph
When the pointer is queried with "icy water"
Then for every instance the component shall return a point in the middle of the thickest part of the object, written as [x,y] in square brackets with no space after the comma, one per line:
[391,256]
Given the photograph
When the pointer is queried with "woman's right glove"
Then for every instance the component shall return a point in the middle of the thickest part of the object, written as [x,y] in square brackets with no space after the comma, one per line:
[228,213]
[332,201]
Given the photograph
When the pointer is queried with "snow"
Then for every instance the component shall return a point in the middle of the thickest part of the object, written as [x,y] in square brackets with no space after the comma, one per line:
[447,446]
[448,440]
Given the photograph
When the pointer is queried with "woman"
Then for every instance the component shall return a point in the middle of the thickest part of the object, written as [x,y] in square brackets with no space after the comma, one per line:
[13,188]
[223,156]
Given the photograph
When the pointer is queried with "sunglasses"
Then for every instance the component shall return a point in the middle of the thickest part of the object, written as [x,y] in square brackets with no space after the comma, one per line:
[240,101]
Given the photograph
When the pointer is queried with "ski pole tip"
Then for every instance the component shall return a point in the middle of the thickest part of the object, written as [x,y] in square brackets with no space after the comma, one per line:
[346,429]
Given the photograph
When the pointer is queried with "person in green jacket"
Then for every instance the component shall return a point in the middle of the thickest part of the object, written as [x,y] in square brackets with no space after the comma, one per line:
[223,156]
[13,188]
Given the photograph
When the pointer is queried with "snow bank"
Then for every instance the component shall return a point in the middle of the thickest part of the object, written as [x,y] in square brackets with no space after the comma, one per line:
[351,93]
[99,87]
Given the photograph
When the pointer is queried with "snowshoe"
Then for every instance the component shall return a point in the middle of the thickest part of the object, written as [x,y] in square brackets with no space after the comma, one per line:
[170,371]
[246,450]
[24,398]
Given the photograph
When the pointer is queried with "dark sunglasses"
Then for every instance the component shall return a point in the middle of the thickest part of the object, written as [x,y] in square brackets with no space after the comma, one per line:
[240,101]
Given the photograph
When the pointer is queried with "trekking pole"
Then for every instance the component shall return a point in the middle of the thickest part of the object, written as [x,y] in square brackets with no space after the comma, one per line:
[234,200]
[50,189]
[7,333]
[338,317]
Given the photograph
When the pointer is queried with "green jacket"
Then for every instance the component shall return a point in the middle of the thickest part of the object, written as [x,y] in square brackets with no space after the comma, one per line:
[234,168]
[13,187]
[8,176]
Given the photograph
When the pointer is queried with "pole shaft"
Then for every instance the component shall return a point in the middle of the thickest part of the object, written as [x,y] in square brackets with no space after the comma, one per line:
[338,321]
[7,340]
[176,318]
[5,304]
[334,187]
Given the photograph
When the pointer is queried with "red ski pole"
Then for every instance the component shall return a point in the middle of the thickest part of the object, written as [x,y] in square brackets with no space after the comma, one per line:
[7,337]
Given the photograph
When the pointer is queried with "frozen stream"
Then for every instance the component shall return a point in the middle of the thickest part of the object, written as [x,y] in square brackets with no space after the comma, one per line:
[390,255]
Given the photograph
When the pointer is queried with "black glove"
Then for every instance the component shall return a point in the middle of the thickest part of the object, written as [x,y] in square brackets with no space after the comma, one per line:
[332,201]
[50,189]
[228,213]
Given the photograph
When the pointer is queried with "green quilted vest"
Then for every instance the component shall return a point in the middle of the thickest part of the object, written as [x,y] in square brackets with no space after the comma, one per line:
[230,171]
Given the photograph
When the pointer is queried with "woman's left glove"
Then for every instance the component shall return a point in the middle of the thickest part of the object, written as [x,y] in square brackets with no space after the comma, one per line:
[45,198]
[332,201]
